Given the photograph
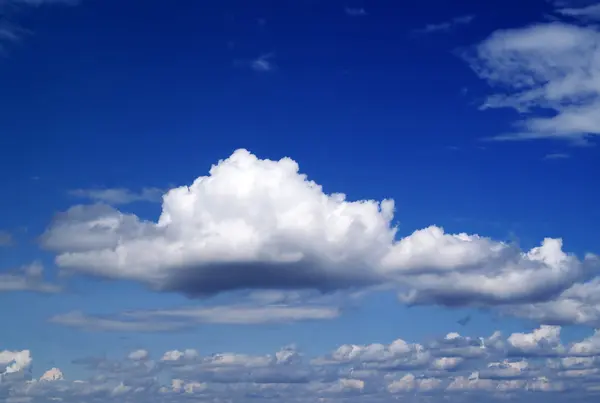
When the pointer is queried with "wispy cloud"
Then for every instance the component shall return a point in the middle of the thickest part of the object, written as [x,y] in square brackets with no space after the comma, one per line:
[27,278]
[165,320]
[116,196]
[355,11]
[6,238]
[10,31]
[263,63]
[590,12]
[549,74]
[445,26]
[556,156]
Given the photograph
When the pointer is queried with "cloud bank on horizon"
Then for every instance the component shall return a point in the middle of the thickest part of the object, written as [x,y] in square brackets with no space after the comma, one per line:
[522,366]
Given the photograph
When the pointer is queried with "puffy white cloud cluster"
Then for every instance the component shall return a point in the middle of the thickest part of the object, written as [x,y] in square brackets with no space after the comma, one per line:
[260,224]
[503,367]
[549,73]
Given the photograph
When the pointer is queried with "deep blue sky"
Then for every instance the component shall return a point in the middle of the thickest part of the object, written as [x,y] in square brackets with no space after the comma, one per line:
[133,94]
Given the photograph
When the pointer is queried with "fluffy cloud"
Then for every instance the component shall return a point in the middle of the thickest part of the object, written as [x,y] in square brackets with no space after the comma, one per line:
[549,73]
[349,372]
[254,223]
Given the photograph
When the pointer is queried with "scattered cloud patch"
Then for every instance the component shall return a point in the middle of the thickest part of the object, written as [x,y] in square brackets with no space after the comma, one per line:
[548,73]
[27,278]
[556,156]
[355,11]
[263,63]
[445,26]
[589,12]
[119,196]
[6,238]
[261,224]
[521,366]
[166,320]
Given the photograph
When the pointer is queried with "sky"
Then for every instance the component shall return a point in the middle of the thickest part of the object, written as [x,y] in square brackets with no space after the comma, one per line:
[299,201]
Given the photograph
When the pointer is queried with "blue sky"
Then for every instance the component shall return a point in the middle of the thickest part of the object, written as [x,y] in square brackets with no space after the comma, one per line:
[172,173]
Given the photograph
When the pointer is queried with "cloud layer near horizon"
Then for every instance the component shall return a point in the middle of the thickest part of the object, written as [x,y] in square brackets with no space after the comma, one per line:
[520,366]
[260,224]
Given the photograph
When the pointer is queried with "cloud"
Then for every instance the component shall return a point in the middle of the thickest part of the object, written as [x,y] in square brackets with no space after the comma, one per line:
[27,278]
[261,224]
[556,156]
[117,196]
[81,321]
[590,12]
[165,320]
[263,63]
[355,11]
[10,32]
[445,26]
[14,361]
[6,238]
[579,304]
[548,73]
[374,372]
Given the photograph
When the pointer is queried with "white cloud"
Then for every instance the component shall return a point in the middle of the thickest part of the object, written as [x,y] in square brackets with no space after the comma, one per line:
[446,25]
[350,371]
[117,196]
[27,278]
[550,74]
[260,224]
[14,361]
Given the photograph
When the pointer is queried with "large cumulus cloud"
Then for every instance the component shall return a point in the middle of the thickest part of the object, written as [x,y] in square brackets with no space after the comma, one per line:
[259,223]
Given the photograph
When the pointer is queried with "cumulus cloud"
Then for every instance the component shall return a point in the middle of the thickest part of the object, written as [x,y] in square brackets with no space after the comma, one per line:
[549,73]
[14,361]
[117,196]
[446,25]
[27,278]
[349,372]
[260,224]
[579,304]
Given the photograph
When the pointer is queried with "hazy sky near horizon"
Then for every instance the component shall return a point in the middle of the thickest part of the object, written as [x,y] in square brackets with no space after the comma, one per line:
[295,200]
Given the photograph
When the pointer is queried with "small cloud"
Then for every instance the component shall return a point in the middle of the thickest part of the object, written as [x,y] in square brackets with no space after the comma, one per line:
[556,156]
[27,278]
[591,12]
[355,11]
[116,196]
[464,321]
[445,26]
[6,238]
[263,63]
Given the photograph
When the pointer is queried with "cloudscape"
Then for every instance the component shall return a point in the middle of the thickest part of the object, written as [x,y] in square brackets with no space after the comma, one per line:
[299,201]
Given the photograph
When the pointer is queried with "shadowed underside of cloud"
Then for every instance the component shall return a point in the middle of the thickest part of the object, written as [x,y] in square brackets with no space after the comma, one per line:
[521,367]
[549,73]
[260,224]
